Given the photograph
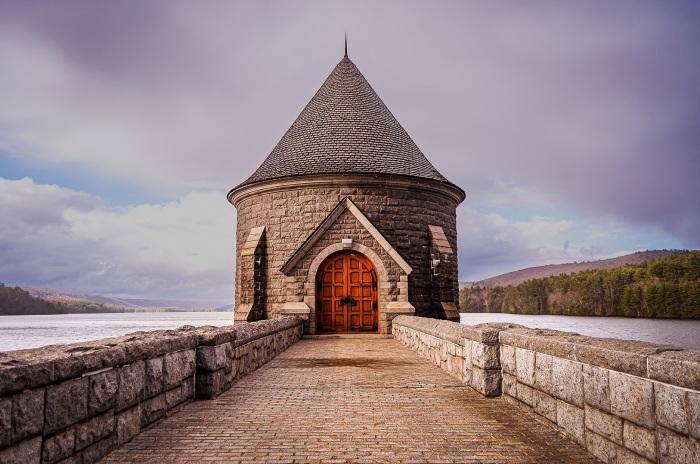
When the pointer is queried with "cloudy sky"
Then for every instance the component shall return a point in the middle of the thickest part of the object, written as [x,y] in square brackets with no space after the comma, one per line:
[574,127]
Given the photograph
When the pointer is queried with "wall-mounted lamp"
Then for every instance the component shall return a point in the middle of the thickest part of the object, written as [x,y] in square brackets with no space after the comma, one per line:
[347,242]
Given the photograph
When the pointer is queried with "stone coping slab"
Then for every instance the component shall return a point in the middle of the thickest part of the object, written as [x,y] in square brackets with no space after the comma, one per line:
[24,369]
[665,363]
[454,331]
[31,368]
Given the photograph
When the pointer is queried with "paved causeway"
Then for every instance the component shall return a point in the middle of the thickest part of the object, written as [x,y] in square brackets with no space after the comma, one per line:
[343,400]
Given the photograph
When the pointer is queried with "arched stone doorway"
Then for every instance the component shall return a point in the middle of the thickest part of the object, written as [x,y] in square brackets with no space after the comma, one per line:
[347,294]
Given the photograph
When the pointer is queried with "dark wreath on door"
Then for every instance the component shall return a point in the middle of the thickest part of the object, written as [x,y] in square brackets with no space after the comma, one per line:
[346,294]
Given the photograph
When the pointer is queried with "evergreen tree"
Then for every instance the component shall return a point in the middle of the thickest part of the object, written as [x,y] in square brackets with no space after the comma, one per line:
[668,287]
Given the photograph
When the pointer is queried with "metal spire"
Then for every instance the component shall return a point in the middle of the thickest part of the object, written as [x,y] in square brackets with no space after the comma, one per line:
[346,45]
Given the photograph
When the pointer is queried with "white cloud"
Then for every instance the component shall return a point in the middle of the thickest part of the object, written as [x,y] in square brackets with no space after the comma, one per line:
[59,238]
[493,243]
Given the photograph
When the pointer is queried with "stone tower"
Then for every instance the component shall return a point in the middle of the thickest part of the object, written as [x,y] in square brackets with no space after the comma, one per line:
[346,223]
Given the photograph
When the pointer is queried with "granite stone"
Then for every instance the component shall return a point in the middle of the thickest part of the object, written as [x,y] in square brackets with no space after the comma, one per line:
[102,391]
[94,430]
[640,440]
[545,405]
[25,452]
[58,447]
[525,366]
[674,448]
[508,359]
[567,381]
[154,376]
[99,450]
[604,424]
[670,407]
[66,404]
[27,414]
[132,385]
[543,373]
[694,405]
[570,420]
[675,366]
[603,449]
[128,424]
[5,422]
[596,387]
[632,398]
[153,409]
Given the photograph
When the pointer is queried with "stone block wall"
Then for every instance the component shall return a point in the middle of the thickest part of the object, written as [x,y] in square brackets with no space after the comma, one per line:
[75,403]
[624,401]
[227,354]
[470,354]
[400,208]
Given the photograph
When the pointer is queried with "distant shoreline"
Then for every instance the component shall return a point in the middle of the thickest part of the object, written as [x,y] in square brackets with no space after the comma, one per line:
[127,310]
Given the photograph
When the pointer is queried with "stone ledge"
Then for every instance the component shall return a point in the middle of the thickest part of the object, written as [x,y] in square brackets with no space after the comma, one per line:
[446,330]
[677,367]
[298,309]
[212,336]
[455,331]
[450,310]
[363,180]
[246,333]
[25,369]
[400,307]
[665,363]
[243,312]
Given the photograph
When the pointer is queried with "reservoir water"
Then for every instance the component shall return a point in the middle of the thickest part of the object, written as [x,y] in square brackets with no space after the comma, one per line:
[21,332]
[678,332]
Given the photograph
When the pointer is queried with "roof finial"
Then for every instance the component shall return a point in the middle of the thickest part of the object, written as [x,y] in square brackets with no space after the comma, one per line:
[346,45]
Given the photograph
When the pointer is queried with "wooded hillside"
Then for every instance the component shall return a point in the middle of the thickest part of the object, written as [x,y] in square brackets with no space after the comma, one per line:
[668,287]
[549,270]
[15,301]
[18,302]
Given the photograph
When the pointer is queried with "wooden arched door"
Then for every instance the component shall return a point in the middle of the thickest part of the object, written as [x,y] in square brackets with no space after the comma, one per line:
[346,294]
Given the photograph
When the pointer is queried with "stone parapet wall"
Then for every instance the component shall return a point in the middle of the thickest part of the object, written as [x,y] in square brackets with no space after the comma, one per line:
[623,401]
[226,355]
[469,353]
[75,403]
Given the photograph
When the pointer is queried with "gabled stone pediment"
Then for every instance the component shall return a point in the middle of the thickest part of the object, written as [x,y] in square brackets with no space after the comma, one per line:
[325,225]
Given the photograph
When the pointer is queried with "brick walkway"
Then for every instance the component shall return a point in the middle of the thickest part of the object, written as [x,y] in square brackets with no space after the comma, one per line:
[350,400]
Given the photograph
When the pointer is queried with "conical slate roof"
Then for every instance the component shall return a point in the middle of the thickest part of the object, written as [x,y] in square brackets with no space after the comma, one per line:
[345,128]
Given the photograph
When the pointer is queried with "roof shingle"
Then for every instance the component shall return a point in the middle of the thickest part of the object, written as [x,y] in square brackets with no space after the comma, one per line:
[345,128]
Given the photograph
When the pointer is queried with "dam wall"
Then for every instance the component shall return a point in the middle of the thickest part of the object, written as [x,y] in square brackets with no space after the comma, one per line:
[75,403]
[623,401]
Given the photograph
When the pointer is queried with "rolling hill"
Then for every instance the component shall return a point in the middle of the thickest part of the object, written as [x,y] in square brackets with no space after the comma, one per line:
[133,303]
[538,272]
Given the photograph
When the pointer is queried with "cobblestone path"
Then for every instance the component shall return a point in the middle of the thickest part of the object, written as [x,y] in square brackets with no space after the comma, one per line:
[350,400]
